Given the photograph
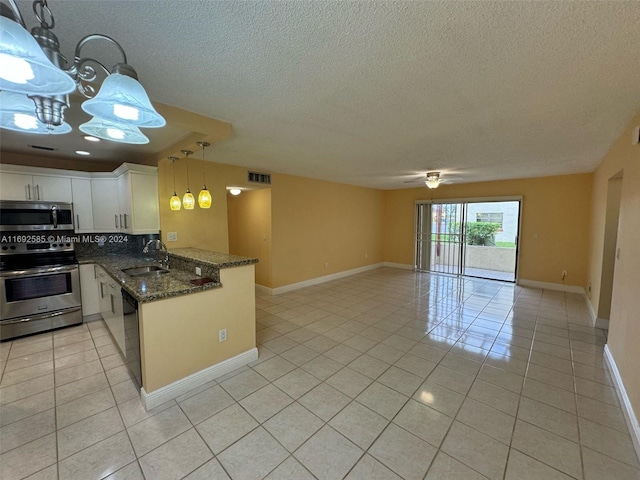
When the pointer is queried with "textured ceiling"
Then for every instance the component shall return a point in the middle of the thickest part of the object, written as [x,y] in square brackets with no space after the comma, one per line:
[375,92]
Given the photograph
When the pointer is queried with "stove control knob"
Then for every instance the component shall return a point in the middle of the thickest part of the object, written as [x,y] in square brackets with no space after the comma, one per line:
[5,248]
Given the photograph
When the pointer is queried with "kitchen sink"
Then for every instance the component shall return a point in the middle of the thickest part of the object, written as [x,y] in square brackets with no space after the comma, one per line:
[145,271]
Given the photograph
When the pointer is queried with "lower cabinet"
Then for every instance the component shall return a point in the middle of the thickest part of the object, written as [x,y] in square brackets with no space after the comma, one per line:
[110,299]
[89,289]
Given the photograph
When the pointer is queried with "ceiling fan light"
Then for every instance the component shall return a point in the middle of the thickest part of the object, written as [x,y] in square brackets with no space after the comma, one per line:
[24,67]
[204,198]
[17,114]
[433,179]
[106,130]
[122,99]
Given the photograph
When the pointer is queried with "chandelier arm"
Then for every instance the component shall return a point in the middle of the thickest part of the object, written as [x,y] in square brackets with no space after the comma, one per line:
[97,36]
[15,12]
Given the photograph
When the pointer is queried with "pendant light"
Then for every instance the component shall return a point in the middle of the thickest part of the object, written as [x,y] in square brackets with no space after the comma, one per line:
[187,199]
[204,197]
[174,202]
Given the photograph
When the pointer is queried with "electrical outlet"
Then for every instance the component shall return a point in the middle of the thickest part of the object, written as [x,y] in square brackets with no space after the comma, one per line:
[198,271]
[326,264]
[222,335]
[366,255]
[172,236]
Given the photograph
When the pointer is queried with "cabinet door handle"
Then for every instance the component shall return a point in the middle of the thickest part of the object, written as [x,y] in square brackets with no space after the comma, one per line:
[37,188]
[113,308]
[121,224]
[116,220]
[125,221]
[78,221]
[101,290]
[28,191]
[95,271]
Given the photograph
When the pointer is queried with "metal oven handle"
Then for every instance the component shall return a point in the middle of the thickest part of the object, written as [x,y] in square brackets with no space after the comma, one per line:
[33,271]
[40,317]
[54,216]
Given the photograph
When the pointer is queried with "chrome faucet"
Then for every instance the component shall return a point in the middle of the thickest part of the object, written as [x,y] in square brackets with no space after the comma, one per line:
[159,247]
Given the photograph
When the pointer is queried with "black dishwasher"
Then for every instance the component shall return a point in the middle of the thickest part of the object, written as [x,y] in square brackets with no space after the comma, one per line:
[132,336]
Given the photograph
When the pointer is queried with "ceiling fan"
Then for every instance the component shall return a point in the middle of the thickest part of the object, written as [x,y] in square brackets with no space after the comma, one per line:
[430,179]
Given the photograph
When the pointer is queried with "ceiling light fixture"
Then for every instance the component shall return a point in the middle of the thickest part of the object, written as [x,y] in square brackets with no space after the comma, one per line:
[187,199]
[235,191]
[433,179]
[174,201]
[204,197]
[89,138]
[32,67]
[82,152]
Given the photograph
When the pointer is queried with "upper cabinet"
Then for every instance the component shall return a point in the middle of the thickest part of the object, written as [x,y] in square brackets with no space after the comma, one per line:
[138,199]
[82,204]
[24,186]
[125,200]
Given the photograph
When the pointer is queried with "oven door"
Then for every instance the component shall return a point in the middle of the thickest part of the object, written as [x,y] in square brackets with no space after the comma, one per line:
[39,291]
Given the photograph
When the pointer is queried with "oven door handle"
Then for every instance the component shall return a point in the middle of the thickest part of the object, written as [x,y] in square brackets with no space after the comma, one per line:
[36,271]
[44,316]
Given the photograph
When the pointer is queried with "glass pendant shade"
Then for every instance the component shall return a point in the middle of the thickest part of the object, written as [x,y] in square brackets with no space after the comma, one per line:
[188,201]
[17,114]
[116,132]
[204,198]
[121,99]
[432,183]
[24,68]
[174,202]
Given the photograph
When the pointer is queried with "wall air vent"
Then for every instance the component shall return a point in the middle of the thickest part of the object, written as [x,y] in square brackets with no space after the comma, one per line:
[257,177]
[40,147]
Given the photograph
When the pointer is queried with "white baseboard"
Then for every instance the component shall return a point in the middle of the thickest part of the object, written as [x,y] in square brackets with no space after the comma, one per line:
[404,266]
[627,408]
[262,290]
[164,394]
[316,281]
[551,286]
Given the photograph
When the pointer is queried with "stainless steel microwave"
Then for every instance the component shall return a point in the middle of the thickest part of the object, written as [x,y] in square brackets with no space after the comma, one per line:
[36,215]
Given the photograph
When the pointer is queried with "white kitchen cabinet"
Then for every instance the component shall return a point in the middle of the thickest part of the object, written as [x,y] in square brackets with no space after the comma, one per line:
[82,204]
[89,289]
[110,301]
[22,186]
[105,208]
[138,199]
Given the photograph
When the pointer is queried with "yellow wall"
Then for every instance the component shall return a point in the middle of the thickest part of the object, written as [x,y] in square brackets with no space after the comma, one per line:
[201,228]
[554,223]
[624,322]
[179,335]
[249,217]
[316,223]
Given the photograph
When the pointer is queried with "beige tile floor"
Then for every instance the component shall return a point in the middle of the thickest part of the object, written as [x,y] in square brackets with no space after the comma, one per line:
[384,375]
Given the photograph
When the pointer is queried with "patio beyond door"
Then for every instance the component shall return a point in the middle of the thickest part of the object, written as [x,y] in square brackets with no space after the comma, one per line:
[477,239]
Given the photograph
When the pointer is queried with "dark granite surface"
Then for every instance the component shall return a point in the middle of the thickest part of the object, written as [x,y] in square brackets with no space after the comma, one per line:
[214,259]
[172,284]
[147,288]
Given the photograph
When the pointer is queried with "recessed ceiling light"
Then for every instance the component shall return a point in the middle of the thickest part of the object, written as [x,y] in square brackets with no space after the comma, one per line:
[90,138]
[82,152]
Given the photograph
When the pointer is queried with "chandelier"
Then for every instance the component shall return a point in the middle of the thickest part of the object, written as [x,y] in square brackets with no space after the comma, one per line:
[35,82]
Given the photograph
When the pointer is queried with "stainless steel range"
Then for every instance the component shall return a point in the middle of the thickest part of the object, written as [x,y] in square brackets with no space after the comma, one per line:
[39,275]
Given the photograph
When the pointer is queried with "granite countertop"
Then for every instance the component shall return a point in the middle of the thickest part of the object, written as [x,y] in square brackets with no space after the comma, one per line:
[166,285]
[213,259]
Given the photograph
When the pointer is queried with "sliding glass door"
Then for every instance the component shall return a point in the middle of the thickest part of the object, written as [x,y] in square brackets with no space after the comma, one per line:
[478,239]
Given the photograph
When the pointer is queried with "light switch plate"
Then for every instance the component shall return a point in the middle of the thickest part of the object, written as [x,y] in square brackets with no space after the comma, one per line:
[172,236]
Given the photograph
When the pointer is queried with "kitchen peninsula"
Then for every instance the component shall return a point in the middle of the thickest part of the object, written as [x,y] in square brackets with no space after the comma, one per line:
[181,315]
